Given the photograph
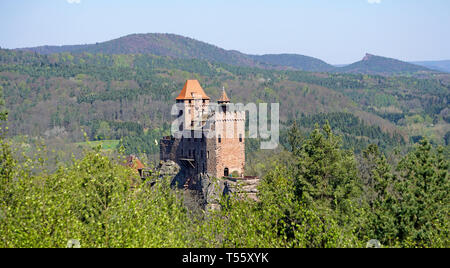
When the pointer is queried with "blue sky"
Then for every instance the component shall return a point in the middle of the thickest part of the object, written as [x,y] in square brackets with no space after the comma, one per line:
[337,31]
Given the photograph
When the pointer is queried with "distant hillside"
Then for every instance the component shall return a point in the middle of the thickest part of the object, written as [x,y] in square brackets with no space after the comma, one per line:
[372,64]
[181,47]
[176,46]
[442,66]
[58,95]
[169,45]
[295,61]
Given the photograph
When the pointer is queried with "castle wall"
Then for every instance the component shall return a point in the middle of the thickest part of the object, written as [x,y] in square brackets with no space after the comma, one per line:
[168,149]
[230,142]
[189,153]
[212,157]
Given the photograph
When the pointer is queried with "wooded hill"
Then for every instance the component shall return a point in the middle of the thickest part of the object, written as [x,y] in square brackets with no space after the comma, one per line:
[181,47]
[62,95]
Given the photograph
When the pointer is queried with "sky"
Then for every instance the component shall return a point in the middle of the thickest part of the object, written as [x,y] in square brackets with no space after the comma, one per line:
[336,31]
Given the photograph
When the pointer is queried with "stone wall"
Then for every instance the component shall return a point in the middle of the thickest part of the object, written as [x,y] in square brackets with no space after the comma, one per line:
[230,150]
[168,149]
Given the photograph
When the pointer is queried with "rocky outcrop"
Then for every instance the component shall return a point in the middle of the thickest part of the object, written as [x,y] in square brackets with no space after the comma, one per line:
[168,169]
[206,190]
[243,187]
[212,191]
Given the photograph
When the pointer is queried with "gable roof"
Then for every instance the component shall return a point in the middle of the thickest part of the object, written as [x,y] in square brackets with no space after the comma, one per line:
[192,90]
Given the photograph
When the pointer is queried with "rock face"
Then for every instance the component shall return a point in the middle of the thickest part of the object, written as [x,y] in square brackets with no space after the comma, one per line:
[212,192]
[206,190]
[243,187]
[168,169]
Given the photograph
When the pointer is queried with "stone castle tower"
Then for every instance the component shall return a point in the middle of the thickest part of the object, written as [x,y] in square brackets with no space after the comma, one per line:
[199,151]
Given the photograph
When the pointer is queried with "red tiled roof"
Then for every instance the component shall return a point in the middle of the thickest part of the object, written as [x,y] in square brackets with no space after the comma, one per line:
[134,162]
[192,90]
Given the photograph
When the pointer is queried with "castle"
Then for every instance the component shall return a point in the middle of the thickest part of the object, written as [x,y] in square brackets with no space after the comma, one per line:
[210,141]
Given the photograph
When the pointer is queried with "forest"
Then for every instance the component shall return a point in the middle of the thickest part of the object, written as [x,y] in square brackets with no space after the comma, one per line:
[361,157]
[58,97]
[321,195]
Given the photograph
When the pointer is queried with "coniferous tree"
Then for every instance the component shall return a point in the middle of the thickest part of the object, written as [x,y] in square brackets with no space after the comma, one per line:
[378,179]
[423,207]
[326,174]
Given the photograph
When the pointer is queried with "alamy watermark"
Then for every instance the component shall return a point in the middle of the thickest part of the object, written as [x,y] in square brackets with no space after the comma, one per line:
[213,120]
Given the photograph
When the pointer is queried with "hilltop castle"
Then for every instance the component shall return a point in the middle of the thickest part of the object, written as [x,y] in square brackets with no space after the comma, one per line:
[221,154]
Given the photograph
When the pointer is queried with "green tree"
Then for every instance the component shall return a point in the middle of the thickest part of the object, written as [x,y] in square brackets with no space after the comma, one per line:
[103,131]
[424,205]
[3,112]
[378,194]
[326,175]
[296,223]
[295,139]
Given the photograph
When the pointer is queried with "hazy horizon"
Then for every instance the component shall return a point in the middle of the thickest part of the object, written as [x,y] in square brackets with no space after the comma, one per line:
[338,32]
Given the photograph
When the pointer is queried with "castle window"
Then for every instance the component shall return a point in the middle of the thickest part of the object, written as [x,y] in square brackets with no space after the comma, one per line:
[226,172]
[207,155]
[240,137]
[220,138]
[224,108]
[192,123]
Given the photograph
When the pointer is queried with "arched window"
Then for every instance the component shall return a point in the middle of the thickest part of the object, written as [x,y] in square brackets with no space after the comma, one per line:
[226,172]
[240,137]
[220,138]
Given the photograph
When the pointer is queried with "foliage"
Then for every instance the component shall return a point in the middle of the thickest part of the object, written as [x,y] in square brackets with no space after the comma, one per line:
[356,134]
[313,201]
[73,91]
[320,194]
